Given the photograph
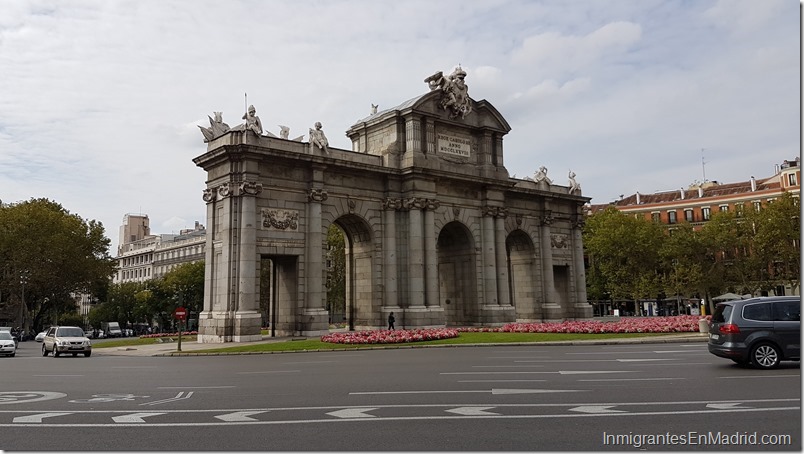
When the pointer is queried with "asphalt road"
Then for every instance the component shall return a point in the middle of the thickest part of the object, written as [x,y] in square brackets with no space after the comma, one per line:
[491,398]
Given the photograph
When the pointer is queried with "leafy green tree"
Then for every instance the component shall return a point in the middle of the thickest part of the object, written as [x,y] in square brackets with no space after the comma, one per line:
[776,237]
[186,285]
[336,271]
[683,260]
[47,255]
[625,252]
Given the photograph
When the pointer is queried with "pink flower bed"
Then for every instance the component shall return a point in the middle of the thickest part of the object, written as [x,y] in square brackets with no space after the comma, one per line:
[675,324]
[389,336]
[183,333]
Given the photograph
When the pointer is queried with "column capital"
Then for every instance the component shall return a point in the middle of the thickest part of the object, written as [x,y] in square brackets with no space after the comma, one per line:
[547,217]
[495,211]
[317,195]
[392,203]
[249,188]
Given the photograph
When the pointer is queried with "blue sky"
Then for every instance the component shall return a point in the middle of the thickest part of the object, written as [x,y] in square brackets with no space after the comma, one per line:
[100,100]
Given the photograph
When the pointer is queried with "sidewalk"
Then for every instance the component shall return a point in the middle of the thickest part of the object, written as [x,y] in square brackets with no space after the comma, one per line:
[194,348]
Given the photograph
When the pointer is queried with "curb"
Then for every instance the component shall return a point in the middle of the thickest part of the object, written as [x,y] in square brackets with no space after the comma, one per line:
[638,340]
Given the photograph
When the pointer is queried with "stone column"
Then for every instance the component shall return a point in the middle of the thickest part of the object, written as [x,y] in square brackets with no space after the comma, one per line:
[489,257]
[582,308]
[247,316]
[415,253]
[209,251]
[431,259]
[391,295]
[550,309]
[503,289]
[314,262]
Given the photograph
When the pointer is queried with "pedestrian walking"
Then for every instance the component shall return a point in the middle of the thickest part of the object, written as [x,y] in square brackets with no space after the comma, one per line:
[391,321]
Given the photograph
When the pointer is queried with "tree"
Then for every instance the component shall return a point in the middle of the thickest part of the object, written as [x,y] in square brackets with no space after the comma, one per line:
[336,271]
[776,238]
[186,284]
[625,252]
[47,255]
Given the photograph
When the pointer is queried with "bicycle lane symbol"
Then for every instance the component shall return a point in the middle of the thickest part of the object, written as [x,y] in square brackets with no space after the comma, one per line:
[98,398]
[24,397]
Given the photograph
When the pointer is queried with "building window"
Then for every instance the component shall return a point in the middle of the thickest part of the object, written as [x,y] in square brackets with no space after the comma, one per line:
[688,215]
[671,217]
[757,205]
[706,212]
[771,201]
[655,217]
[723,208]
[792,180]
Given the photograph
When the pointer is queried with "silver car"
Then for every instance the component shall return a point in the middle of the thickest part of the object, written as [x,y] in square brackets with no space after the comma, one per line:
[66,339]
[7,345]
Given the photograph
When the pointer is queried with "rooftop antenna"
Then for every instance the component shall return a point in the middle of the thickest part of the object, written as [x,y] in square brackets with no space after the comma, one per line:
[703,165]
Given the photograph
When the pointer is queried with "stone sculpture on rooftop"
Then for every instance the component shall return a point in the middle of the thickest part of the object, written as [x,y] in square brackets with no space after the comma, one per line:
[455,91]
[318,138]
[216,128]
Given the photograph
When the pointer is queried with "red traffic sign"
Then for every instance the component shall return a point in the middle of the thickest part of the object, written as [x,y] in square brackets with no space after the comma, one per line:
[180,313]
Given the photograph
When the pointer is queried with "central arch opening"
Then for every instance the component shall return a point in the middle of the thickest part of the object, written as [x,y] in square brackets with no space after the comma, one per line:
[457,276]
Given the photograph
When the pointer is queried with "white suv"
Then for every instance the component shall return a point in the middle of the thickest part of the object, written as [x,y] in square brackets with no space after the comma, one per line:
[66,339]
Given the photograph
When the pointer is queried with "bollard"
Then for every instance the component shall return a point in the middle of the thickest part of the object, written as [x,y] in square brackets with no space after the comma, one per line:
[703,326]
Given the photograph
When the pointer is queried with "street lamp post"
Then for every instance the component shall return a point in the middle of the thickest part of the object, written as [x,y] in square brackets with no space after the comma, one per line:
[23,281]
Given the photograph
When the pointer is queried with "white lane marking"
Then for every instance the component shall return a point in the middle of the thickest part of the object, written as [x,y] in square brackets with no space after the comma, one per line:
[353,413]
[38,417]
[310,362]
[134,417]
[133,367]
[468,391]
[596,409]
[642,360]
[239,416]
[763,376]
[505,366]
[54,375]
[499,381]
[535,391]
[179,396]
[726,406]
[632,379]
[472,411]
[561,372]
[579,372]
[269,372]
[194,387]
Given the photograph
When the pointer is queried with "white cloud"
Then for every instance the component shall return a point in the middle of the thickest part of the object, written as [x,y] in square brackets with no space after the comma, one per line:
[625,93]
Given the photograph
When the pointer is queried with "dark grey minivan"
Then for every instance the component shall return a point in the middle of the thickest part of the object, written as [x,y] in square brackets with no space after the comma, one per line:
[757,331]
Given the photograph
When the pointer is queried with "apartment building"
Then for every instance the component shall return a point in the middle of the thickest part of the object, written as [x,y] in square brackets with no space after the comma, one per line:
[696,203]
[142,256]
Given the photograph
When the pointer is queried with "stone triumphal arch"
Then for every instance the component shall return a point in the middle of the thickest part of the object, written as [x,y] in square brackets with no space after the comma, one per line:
[436,231]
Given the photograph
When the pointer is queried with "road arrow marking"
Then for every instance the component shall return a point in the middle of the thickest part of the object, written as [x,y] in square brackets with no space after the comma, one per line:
[239,416]
[472,411]
[134,417]
[37,418]
[725,406]
[352,413]
[597,409]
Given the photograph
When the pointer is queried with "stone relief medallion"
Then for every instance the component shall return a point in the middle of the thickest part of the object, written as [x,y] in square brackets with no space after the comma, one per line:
[274,219]
[558,241]
[456,212]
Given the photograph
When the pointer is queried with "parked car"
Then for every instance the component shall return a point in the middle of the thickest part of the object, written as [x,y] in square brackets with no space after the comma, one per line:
[8,346]
[40,336]
[12,333]
[66,339]
[758,331]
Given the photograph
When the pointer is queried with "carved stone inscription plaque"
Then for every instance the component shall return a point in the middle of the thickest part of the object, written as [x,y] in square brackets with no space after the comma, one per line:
[453,145]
